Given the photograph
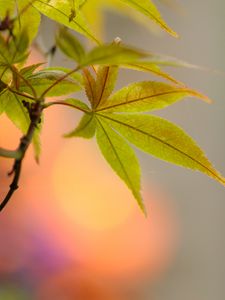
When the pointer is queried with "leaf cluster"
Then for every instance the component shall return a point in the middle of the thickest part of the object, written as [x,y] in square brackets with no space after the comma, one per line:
[118,119]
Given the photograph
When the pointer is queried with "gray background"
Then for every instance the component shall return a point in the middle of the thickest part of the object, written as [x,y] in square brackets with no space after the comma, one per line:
[198,270]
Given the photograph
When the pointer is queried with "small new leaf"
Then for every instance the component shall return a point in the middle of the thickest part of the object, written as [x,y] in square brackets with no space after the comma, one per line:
[105,83]
[89,85]
[69,45]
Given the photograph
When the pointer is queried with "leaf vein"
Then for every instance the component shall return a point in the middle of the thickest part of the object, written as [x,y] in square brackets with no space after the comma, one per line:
[167,144]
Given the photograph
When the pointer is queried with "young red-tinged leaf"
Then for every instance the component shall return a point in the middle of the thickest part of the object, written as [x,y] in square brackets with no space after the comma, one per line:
[147,8]
[86,127]
[69,45]
[90,85]
[147,96]
[121,158]
[60,12]
[105,83]
[164,140]
[112,54]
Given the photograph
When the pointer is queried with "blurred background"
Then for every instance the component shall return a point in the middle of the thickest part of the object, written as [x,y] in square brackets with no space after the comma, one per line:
[73,231]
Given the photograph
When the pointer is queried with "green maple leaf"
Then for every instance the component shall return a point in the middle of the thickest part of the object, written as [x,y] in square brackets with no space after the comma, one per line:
[24,16]
[63,12]
[116,53]
[117,120]
[144,12]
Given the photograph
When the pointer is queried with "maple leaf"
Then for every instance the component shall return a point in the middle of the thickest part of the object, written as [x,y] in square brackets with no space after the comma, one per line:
[117,120]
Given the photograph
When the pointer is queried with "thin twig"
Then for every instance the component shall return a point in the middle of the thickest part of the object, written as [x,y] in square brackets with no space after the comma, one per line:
[65,104]
[21,94]
[35,116]
[9,153]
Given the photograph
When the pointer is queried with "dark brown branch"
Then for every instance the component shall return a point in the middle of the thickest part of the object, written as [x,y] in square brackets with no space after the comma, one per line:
[35,116]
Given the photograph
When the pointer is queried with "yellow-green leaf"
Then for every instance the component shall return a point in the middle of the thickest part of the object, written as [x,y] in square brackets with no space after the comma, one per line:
[27,18]
[4,98]
[69,45]
[164,140]
[60,11]
[112,54]
[147,96]
[6,7]
[121,158]
[147,8]
[151,68]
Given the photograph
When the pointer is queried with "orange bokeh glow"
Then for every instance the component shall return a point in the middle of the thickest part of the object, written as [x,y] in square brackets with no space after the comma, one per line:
[111,232]
[88,211]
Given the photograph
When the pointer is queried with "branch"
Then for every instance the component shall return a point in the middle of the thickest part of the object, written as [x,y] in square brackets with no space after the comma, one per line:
[9,153]
[35,116]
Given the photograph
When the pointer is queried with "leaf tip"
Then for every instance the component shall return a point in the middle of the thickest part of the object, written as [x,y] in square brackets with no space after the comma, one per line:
[202,97]
[37,159]
[221,179]
[173,33]
[141,204]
